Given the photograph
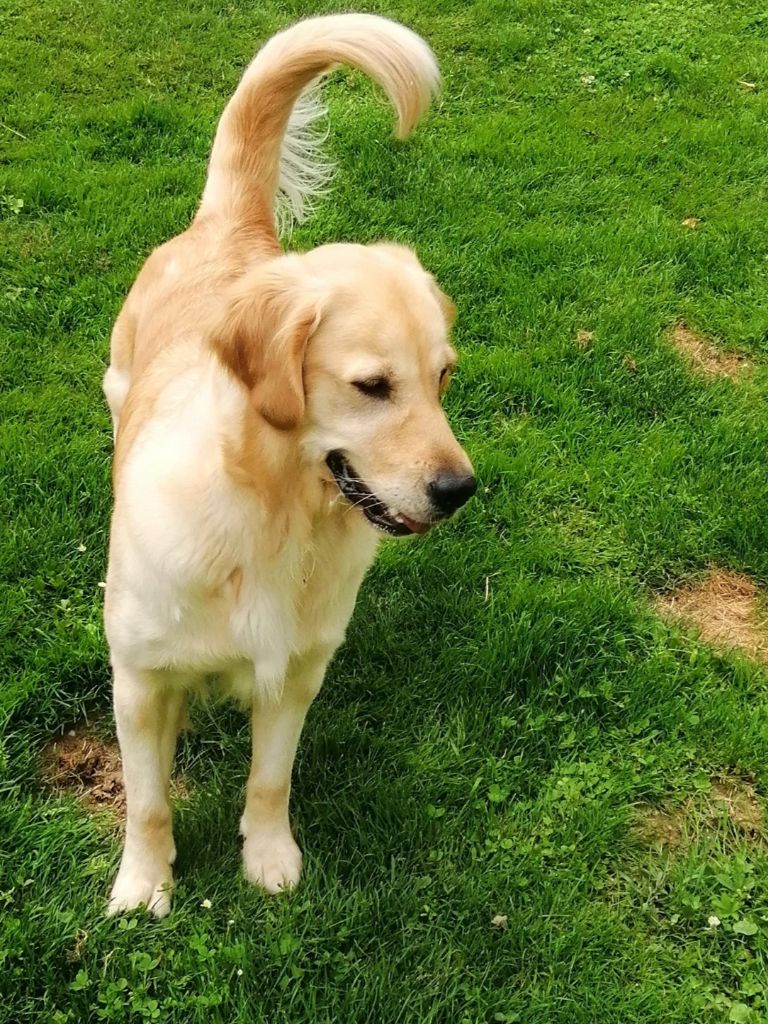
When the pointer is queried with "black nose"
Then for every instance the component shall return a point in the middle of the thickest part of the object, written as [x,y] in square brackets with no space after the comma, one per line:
[449,491]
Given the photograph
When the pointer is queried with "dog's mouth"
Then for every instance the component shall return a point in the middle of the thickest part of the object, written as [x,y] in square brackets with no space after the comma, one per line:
[373,508]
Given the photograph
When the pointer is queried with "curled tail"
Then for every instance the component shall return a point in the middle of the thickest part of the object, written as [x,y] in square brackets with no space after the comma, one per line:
[266,144]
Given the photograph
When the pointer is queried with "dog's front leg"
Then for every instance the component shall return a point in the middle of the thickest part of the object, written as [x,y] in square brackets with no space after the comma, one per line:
[148,710]
[271,857]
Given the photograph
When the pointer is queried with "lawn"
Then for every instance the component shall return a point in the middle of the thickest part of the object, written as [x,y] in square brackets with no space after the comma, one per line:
[511,732]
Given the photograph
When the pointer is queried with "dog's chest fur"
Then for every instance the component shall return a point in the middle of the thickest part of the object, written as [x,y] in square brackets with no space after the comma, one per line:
[201,581]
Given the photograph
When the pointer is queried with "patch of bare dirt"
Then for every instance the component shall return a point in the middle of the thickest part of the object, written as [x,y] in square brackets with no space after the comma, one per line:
[725,609]
[584,338]
[662,826]
[740,802]
[83,763]
[704,355]
[730,801]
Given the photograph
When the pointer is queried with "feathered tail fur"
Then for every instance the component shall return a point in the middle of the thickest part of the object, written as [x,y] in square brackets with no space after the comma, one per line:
[268,149]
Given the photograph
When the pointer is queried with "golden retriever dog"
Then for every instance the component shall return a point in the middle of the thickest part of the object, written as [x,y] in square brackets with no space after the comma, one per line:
[274,415]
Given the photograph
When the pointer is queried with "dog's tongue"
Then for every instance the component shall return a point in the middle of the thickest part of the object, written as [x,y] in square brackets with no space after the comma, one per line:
[413,525]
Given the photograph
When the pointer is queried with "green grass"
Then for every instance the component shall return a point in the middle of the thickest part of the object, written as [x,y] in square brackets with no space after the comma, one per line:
[468,757]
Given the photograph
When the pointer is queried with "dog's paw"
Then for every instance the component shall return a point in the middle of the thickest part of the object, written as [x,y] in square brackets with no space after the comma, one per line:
[142,885]
[272,861]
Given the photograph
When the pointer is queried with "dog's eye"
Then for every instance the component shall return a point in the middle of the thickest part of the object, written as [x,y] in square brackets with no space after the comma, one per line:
[375,387]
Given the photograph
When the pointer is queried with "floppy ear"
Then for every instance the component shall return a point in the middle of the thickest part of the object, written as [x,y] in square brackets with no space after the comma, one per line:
[263,341]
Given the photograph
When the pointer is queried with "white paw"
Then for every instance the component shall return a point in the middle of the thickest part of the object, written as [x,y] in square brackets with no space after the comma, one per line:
[272,860]
[138,884]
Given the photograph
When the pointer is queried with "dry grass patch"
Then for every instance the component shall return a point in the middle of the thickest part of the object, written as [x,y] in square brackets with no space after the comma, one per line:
[725,609]
[84,763]
[731,803]
[740,802]
[661,826]
[704,355]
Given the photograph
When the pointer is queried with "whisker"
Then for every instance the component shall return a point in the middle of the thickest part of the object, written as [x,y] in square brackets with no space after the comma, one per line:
[360,501]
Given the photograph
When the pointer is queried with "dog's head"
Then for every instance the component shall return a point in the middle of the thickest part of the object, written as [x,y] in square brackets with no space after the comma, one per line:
[348,346]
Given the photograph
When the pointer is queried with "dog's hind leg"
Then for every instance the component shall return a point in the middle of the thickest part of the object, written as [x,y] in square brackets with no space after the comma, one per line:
[148,711]
[115,386]
[271,857]
[117,379]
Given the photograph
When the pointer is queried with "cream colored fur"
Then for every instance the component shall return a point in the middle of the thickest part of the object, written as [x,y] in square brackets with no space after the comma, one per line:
[233,374]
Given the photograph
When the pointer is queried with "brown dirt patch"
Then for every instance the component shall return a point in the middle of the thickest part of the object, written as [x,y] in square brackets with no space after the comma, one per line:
[730,801]
[725,609]
[661,825]
[740,802]
[84,763]
[704,355]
